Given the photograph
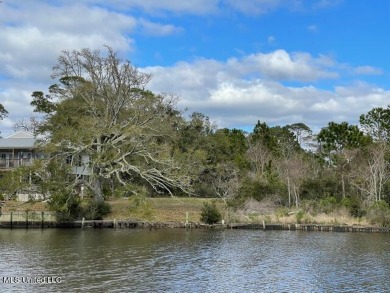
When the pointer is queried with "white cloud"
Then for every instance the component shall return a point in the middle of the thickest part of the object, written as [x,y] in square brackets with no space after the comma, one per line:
[367,70]
[157,29]
[197,7]
[32,36]
[281,65]
[235,92]
[193,6]
[222,91]
[258,7]
[255,6]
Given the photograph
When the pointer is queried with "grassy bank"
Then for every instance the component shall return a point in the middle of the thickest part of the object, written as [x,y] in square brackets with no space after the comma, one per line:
[170,209]
[174,209]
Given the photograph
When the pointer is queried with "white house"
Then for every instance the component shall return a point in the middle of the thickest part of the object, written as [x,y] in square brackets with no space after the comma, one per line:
[19,150]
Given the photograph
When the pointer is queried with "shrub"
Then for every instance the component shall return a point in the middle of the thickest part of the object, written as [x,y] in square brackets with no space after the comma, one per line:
[315,188]
[210,213]
[141,205]
[259,190]
[299,215]
[96,210]
[379,214]
[66,205]
[328,204]
[354,206]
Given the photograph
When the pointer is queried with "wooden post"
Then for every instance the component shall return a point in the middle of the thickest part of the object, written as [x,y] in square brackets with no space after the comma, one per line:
[42,220]
[10,219]
[26,219]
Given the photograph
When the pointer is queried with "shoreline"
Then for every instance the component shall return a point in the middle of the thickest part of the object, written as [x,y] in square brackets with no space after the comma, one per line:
[128,224]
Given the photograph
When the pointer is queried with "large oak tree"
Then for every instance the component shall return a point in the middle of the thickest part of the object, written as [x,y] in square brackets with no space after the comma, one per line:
[100,109]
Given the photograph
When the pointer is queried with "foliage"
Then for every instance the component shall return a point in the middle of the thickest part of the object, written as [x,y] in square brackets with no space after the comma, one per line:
[262,133]
[100,109]
[138,144]
[354,206]
[336,137]
[256,189]
[66,205]
[299,216]
[379,214]
[11,182]
[210,213]
[141,205]
[302,133]
[3,112]
[328,204]
[319,187]
[95,210]
[376,123]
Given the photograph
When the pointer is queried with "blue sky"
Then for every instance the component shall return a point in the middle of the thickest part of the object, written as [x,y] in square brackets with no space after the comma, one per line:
[278,61]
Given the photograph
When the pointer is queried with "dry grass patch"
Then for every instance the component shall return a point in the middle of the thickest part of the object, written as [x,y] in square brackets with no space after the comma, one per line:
[159,209]
[17,206]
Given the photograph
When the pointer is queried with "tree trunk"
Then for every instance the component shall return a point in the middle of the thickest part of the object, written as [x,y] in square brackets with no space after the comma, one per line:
[296,196]
[97,189]
[289,191]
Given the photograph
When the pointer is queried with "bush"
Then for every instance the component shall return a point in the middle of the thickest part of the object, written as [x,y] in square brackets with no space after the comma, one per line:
[210,213]
[315,188]
[96,210]
[299,216]
[66,205]
[141,205]
[379,214]
[259,190]
[328,204]
[354,206]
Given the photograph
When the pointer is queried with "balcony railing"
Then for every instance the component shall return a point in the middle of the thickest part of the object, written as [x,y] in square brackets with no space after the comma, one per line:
[14,163]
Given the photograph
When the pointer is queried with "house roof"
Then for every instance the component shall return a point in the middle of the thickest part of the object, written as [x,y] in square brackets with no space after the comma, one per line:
[19,140]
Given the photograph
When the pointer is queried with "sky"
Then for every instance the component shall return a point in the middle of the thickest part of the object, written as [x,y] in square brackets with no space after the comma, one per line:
[236,61]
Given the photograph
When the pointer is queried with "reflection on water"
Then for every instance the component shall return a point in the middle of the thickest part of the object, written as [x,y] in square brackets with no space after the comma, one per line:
[176,260]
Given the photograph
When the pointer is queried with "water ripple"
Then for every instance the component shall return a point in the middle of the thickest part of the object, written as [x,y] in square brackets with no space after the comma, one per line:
[196,261]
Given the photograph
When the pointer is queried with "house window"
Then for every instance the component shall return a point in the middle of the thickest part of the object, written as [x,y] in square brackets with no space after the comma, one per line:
[68,160]
[3,160]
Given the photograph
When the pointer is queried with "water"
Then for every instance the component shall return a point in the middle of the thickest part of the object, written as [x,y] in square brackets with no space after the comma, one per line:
[176,260]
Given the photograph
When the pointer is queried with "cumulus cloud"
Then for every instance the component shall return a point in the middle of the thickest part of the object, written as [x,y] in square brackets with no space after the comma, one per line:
[223,91]
[33,34]
[235,92]
[281,65]
[30,46]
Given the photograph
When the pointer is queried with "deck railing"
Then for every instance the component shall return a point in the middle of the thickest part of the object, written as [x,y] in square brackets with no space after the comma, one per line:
[14,163]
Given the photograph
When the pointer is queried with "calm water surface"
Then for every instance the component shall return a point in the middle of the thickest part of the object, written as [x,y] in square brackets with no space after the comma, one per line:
[194,261]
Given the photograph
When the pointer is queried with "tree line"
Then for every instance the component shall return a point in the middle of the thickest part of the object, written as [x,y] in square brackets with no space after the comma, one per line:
[138,142]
